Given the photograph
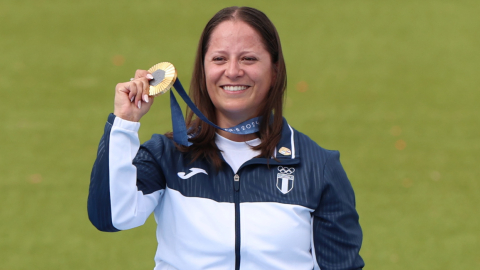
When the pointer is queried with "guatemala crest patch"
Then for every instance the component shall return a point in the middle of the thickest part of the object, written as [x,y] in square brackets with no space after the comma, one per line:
[285,179]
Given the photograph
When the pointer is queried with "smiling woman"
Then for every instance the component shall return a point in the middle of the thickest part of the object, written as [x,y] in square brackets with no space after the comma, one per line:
[238,46]
[238,74]
[228,201]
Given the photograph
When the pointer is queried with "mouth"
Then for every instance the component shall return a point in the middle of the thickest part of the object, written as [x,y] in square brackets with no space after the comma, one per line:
[234,88]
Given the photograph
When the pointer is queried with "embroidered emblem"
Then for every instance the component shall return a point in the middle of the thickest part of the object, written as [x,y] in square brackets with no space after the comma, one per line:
[193,172]
[285,179]
[285,151]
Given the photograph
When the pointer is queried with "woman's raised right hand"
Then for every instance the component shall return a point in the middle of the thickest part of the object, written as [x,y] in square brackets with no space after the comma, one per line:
[131,98]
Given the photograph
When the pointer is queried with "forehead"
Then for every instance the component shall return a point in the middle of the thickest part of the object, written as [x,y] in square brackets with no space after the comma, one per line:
[235,35]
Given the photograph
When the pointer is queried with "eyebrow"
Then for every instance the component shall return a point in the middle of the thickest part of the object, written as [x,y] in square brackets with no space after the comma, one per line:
[225,52]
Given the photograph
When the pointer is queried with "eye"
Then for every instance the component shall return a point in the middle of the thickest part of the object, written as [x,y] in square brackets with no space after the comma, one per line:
[249,59]
[218,59]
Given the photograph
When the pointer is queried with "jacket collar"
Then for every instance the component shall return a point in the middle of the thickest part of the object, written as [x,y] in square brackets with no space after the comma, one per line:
[286,147]
[286,152]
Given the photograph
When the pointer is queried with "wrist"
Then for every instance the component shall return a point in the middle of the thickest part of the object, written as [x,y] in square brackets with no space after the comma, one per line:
[125,124]
[127,117]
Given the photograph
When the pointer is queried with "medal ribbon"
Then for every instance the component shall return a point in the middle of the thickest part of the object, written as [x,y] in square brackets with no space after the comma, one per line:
[178,122]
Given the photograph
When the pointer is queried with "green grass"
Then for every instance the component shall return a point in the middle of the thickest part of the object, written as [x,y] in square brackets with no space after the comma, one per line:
[365,77]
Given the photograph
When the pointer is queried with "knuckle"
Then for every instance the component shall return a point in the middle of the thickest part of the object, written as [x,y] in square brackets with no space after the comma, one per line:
[146,84]
[139,72]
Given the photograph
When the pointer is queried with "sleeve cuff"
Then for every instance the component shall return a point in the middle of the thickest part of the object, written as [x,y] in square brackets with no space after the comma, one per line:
[123,124]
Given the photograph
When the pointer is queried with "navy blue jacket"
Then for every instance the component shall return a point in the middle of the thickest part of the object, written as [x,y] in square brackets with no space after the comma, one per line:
[293,212]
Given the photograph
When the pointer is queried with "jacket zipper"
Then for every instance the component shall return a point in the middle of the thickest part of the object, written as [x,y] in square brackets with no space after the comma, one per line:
[236,200]
[236,197]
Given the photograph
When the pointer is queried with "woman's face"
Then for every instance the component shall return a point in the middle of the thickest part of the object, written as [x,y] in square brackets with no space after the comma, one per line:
[238,72]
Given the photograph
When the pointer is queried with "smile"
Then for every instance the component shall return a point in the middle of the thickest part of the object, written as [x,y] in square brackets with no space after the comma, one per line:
[234,87]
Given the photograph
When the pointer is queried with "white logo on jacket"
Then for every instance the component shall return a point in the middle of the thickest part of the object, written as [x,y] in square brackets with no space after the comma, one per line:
[192,173]
[285,179]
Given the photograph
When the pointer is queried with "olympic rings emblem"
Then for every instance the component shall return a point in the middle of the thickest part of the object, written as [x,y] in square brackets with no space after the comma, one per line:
[286,170]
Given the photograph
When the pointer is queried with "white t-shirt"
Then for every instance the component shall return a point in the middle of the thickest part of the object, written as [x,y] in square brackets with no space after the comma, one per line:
[237,153]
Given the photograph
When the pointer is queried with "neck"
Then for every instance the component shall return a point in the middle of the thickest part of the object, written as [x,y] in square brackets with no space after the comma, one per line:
[237,137]
[227,122]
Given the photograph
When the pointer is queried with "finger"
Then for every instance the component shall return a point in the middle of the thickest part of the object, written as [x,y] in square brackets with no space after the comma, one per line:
[145,90]
[122,89]
[138,94]
[140,73]
[131,87]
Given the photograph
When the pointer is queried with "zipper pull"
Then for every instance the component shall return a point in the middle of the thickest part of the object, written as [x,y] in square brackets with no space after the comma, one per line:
[236,182]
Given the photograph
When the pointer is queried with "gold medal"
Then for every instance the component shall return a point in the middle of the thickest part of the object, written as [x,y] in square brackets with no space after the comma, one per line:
[164,75]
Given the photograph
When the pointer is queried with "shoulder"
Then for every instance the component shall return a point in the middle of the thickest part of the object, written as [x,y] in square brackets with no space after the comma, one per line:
[310,151]
[158,141]
[159,145]
[326,166]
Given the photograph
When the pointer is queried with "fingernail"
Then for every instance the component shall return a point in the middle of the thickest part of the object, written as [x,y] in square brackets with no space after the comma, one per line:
[131,100]
[149,76]
[140,104]
[145,98]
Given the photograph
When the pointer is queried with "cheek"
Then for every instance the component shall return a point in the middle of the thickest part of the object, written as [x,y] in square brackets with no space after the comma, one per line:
[267,76]
[212,74]
[210,81]
[267,79]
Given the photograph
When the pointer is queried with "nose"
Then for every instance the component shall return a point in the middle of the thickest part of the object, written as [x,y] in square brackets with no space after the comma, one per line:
[234,70]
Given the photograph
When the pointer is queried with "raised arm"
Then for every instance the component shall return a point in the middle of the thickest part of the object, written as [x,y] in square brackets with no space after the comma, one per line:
[115,201]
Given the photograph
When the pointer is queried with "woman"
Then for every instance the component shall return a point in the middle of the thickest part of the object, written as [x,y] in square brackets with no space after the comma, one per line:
[273,199]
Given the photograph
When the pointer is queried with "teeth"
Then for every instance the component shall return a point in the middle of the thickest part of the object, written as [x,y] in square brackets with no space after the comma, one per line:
[235,88]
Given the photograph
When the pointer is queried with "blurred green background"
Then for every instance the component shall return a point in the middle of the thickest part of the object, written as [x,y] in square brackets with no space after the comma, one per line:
[393,85]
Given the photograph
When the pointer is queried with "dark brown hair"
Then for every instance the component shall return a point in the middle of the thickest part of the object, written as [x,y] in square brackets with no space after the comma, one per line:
[271,110]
